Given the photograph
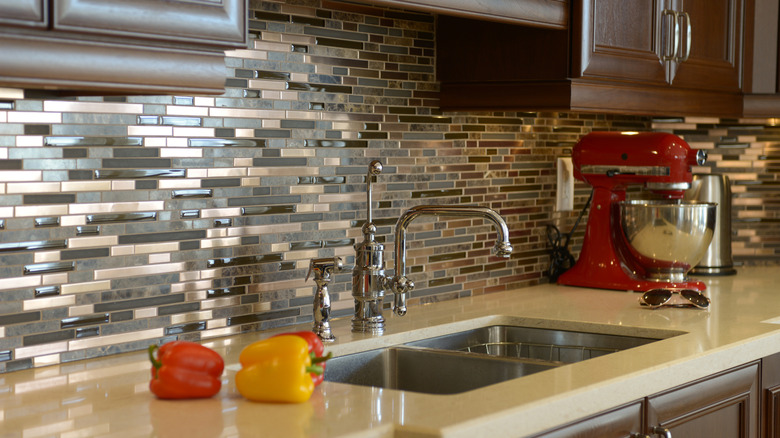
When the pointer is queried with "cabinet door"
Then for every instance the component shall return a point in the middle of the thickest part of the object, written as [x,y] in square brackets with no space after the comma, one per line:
[715,55]
[622,422]
[724,406]
[22,13]
[217,22]
[618,39]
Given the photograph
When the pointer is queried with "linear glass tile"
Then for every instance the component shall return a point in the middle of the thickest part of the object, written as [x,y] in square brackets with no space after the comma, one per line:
[162,237]
[436,193]
[183,100]
[47,221]
[148,120]
[271,16]
[226,142]
[222,223]
[2,224]
[89,253]
[274,209]
[34,245]
[121,217]
[47,291]
[185,328]
[244,260]
[88,230]
[19,318]
[5,355]
[337,243]
[182,121]
[190,214]
[93,141]
[87,332]
[259,317]
[297,246]
[193,193]
[325,88]
[224,292]
[336,143]
[6,105]
[80,321]
[139,173]
[265,74]
[47,338]
[46,268]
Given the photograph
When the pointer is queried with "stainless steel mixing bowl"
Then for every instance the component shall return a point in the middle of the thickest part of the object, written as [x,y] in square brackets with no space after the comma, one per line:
[664,238]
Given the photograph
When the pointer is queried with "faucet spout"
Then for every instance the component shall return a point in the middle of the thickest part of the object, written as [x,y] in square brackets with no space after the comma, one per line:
[401,285]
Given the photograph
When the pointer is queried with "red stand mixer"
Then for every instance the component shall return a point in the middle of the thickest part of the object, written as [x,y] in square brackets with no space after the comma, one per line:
[613,255]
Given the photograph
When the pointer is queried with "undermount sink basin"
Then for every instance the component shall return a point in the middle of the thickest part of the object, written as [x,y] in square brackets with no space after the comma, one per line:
[472,359]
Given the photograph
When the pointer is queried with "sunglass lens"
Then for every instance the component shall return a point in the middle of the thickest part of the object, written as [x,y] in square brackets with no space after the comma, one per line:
[696,298]
[656,297]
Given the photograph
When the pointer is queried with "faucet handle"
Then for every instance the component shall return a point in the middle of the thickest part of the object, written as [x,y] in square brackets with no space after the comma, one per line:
[324,267]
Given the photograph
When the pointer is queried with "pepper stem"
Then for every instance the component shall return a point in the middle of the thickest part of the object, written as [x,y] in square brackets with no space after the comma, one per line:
[156,363]
[315,369]
[321,359]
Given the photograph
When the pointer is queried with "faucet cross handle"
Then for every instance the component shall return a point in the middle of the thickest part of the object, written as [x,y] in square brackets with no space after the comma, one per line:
[323,269]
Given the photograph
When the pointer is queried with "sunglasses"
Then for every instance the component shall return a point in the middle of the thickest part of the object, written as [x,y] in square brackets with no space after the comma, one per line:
[656,298]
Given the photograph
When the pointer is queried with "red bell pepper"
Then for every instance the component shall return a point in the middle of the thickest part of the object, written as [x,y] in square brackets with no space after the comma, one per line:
[185,369]
[316,350]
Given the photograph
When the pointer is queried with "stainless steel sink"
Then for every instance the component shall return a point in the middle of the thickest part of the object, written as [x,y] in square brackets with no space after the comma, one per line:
[472,359]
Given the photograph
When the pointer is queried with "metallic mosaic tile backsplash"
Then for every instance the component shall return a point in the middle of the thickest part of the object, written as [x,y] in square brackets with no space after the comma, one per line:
[133,220]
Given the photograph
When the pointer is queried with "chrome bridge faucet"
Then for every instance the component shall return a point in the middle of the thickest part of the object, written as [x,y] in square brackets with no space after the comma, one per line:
[369,282]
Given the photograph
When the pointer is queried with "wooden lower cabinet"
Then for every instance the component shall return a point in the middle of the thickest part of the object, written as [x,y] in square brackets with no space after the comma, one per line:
[724,405]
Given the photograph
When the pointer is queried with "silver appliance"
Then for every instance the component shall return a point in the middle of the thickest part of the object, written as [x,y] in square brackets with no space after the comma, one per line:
[715,188]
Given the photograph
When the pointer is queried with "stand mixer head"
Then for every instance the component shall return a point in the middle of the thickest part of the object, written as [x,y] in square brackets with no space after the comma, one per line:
[639,245]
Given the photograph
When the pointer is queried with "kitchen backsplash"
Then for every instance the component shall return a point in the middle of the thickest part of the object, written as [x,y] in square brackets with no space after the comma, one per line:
[133,220]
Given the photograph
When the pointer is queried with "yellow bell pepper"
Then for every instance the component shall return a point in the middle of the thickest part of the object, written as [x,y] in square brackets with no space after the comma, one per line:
[277,369]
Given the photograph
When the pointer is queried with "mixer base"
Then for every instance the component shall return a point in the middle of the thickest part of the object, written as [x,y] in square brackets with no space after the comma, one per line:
[624,282]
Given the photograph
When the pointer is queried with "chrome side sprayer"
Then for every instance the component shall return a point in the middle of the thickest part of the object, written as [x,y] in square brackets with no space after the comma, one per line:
[323,269]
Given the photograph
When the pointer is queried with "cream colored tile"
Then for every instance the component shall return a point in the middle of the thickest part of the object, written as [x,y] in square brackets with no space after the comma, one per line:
[34,117]
[40,210]
[304,115]
[270,123]
[181,153]
[182,318]
[276,285]
[155,142]
[133,271]
[46,256]
[86,186]
[20,282]
[116,207]
[220,212]
[192,132]
[181,110]
[159,131]
[148,312]
[216,323]
[271,94]
[191,286]
[179,184]
[299,77]
[6,212]
[149,248]
[250,182]
[301,255]
[332,161]
[93,107]
[215,233]
[92,241]
[264,229]
[101,341]
[3,153]
[297,190]
[33,187]
[242,162]
[205,101]
[30,141]
[87,309]
[122,185]
[220,302]
[54,279]
[244,132]
[246,113]
[20,175]
[280,247]
[299,153]
[192,297]
[220,243]
[197,173]
[273,47]
[266,84]
[283,171]
[160,258]
[189,276]
[226,172]
[122,250]
[290,95]
[48,303]
[245,53]
[42,361]
[11,93]
[91,286]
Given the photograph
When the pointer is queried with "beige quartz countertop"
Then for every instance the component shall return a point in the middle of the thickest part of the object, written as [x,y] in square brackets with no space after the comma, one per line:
[110,397]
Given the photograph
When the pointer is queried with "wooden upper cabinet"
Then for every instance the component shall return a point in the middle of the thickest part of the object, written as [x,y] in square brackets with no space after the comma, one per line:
[619,40]
[119,46]
[200,22]
[23,13]
[654,57]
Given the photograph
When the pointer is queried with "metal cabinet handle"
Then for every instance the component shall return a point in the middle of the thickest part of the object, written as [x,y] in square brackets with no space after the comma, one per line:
[661,431]
[688,31]
[672,46]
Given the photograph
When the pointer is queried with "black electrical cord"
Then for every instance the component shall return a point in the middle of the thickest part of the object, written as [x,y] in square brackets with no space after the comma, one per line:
[561,259]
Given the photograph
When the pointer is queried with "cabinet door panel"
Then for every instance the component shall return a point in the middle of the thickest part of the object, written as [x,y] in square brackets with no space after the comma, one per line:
[620,40]
[23,12]
[715,47]
[219,22]
[725,405]
[622,422]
